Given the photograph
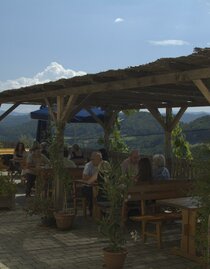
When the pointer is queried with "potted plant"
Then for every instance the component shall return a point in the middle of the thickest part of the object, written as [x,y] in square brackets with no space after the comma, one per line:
[43,207]
[7,192]
[201,191]
[64,216]
[115,188]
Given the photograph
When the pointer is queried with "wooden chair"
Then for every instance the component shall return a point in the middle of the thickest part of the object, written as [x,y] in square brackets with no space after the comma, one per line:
[76,174]
[156,220]
[158,190]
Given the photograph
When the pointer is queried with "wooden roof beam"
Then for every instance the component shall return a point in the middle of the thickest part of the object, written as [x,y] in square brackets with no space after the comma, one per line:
[202,88]
[8,111]
[156,114]
[177,117]
[80,104]
[171,78]
[97,119]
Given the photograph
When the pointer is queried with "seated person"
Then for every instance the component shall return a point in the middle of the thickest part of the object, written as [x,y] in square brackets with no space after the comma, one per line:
[159,169]
[91,174]
[132,208]
[130,165]
[145,170]
[44,151]
[76,155]
[34,160]
[67,163]
[19,156]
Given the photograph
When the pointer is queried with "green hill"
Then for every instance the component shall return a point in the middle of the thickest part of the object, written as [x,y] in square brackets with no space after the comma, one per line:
[139,130]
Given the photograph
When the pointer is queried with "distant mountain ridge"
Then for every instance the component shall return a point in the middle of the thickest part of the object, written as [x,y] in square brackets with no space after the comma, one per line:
[191,116]
[140,130]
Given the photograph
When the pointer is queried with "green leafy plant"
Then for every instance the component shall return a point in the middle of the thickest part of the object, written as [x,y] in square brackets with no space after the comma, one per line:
[201,191]
[180,147]
[40,206]
[7,187]
[117,142]
[59,171]
[115,188]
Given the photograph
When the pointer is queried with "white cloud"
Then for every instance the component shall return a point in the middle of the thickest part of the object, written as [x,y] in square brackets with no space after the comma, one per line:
[52,72]
[118,20]
[169,42]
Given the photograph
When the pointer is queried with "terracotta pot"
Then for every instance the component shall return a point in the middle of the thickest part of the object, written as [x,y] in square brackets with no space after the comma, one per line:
[114,260]
[64,220]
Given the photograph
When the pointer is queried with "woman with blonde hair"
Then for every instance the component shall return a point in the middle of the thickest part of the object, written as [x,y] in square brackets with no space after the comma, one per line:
[159,169]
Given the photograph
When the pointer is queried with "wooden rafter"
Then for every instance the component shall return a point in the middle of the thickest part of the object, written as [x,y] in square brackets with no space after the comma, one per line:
[202,88]
[95,117]
[8,111]
[177,117]
[156,114]
[81,103]
[68,108]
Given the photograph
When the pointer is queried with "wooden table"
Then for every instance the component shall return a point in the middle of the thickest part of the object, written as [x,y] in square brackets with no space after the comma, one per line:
[188,206]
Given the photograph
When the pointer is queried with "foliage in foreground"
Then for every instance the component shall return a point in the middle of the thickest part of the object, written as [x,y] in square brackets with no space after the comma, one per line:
[7,187]
[201,190]
[180,146]
[115,188]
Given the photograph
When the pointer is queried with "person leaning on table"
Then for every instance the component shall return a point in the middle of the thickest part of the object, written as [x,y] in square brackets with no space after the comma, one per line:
[34,160]
[158,167]
[93,172]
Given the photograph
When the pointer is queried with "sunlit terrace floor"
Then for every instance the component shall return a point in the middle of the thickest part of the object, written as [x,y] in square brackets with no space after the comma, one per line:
[24,244]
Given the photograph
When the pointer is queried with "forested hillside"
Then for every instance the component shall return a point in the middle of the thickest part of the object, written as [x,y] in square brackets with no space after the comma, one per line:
[139,130]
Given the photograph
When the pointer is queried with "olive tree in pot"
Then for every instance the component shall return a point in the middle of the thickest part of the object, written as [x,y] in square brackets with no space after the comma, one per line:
[115,188]
[65,216]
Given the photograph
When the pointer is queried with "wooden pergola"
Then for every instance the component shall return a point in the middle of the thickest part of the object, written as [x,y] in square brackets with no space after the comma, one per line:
[166,83]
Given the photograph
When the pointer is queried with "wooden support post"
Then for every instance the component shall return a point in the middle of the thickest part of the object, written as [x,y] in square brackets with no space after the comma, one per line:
[59,187]
[168,131]
[168,125]
[52,114]
[177,117]
[63,111]
[107,125]
[156,114]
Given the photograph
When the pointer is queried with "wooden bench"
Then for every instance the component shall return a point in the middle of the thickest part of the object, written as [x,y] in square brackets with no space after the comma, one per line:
[157,190]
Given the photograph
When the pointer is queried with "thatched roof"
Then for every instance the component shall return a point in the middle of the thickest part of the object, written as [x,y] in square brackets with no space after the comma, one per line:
[167,82]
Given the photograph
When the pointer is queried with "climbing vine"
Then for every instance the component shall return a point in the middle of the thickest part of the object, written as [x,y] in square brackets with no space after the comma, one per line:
[180,147]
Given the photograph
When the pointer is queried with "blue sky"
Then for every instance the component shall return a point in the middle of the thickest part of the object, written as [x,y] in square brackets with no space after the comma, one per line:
[44,39]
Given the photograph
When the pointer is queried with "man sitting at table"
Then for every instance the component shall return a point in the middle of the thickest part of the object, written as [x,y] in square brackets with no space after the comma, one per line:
[90,175]
[34,160]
